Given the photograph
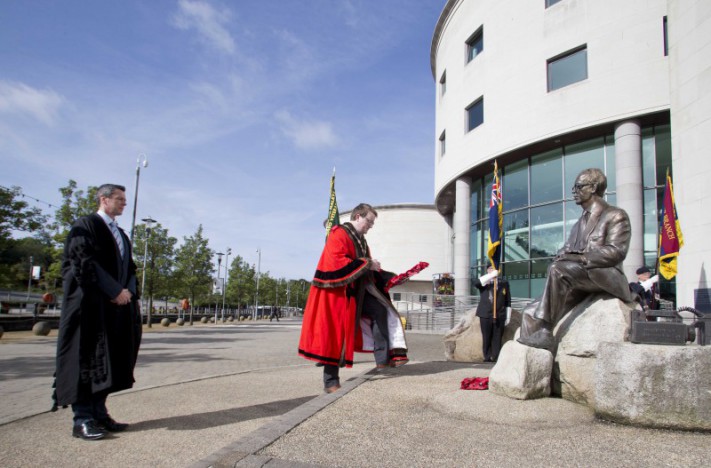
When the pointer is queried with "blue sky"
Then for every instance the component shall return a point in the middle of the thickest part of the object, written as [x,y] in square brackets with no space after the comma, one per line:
[243,108]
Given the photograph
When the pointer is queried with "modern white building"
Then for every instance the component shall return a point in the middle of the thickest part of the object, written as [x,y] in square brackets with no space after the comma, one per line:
[405,234]
[549,87]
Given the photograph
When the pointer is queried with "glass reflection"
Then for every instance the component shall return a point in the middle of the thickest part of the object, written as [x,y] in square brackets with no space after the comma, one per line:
[547,177]
[539,272]
[516,237]
[515,185]
[517,275]
[648,157]
[572,214]
[610,171]
[582,156]
[546,230]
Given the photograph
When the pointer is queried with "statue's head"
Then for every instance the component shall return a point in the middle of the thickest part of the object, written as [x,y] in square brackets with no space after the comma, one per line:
[590,182]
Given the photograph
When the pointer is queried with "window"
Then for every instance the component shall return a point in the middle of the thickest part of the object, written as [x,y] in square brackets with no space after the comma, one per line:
[423,297]
[475,114]
[550,3]
[443,84]
[442,143]
[580,156]
[475,44]
[547,177]
[666,36]
[515,194]
[568,68]
[397,296]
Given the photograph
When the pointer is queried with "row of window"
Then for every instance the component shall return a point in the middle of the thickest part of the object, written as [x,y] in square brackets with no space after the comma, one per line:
[562,70]
[539,211]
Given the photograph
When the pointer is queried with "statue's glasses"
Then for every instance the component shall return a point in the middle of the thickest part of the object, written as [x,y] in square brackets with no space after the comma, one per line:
[579,187]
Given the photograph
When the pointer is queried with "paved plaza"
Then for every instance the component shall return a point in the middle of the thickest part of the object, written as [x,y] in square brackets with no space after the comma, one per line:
[238,395]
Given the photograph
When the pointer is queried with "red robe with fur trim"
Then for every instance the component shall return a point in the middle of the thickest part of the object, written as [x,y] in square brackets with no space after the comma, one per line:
[330,332]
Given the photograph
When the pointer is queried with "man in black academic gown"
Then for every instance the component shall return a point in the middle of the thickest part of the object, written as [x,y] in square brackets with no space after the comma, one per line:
[100,325]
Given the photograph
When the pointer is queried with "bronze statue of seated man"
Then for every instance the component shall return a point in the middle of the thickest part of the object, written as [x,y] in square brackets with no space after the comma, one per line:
[589,262]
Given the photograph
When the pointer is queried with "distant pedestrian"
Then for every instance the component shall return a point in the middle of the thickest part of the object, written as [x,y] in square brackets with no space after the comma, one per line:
[100,324]
[274,314]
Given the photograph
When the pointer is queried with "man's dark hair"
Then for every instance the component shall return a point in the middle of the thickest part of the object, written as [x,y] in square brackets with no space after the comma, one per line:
[362,209]
[107,190]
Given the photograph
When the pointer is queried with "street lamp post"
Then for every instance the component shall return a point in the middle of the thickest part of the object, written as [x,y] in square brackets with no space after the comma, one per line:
[219,269]
[135,194]
[288,296]
[256,294]
[149,223]
[29,281]
[224,281]
[275,307]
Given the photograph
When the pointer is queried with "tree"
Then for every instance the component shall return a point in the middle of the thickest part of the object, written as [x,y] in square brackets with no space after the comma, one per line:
[15,262]
[159,261]
[75,204]
[17,215]
[241,283]
[193,268]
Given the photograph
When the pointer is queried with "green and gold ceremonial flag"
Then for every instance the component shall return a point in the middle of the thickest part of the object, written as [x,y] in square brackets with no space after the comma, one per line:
[670,237]
[333,218]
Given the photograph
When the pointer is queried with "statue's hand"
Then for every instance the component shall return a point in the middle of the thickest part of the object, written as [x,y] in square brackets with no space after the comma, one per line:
[570,257]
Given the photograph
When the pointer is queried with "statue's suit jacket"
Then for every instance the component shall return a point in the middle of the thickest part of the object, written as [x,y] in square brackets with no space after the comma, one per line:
[606,241]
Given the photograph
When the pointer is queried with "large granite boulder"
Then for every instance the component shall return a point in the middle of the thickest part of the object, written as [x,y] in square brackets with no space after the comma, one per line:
[463,342]
[654,385]
[522,372]
[599,318]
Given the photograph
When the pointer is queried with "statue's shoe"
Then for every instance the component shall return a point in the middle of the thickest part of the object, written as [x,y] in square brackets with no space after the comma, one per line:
[542,339]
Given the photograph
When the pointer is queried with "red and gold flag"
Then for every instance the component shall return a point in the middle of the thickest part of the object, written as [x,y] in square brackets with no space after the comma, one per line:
[670,237]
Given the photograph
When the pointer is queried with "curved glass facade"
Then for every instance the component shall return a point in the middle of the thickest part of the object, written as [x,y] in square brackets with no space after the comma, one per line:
[539,211]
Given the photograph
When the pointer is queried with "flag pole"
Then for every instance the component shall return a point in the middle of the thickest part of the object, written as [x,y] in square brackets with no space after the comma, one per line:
[659,242]
[496,278]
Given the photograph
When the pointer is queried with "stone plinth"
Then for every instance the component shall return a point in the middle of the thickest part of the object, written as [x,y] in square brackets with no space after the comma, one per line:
[598,319]
[654,385]
[522,372]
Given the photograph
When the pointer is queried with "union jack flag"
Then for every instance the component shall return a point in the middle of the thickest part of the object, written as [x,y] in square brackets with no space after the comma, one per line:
[496,220]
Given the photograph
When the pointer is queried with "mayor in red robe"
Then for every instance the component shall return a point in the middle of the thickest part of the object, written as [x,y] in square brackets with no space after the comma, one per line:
[348,309]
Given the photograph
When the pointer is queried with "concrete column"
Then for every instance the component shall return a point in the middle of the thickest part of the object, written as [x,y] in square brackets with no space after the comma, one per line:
[691,126]
[462,225]
[630,192]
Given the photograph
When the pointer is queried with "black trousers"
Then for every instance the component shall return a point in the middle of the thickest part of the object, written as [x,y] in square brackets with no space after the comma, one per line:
[90,407]
[492,333]
[378,314]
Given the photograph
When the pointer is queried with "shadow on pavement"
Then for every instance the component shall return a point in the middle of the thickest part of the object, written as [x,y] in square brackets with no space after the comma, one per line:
[27,367]
[429,368]
[192,422]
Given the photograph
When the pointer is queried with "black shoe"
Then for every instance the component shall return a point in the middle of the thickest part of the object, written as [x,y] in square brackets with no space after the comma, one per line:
[88,431]
[109,425]
[542,339]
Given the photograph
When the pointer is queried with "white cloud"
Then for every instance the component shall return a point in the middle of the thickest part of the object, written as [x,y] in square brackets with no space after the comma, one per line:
[18,98]
[307,134]
[207,21]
